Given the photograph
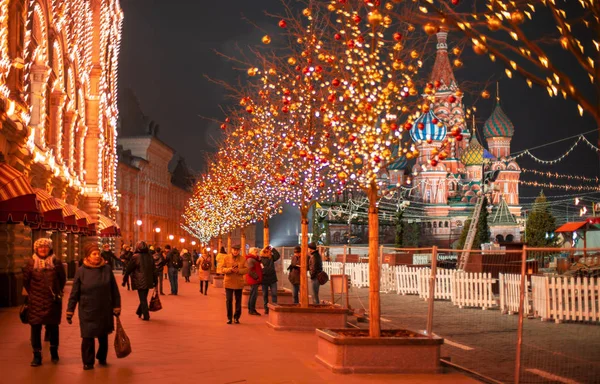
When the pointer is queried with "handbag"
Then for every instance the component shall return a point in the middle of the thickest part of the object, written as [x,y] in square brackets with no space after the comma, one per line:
[155,304]
[322,277]
[122,343]
[24,312]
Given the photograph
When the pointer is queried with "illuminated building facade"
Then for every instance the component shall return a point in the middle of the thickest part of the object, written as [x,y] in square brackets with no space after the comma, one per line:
[154,182]
[58,113]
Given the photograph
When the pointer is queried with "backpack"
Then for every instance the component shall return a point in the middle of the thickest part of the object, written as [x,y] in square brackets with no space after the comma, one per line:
[205,265]
[176,261]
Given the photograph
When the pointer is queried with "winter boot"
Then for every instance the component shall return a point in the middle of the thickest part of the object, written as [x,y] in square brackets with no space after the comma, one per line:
[37,359]
[54,354]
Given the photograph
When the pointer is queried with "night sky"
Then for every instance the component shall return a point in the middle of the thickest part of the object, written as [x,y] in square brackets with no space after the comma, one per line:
[167,48]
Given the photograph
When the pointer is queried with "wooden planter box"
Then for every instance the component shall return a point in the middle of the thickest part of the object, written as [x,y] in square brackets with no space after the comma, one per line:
[352,351]
[284,296]
[290,317]
[217,281]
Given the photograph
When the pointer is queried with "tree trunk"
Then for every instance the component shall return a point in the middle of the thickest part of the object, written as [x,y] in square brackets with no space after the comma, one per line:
[243,241]
[219,243]
[374,302]
[266,239]
[304,258]
[229,242]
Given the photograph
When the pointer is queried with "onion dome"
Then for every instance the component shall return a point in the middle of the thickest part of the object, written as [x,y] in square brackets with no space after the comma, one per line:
[474,154]
[498,124]
[398,164]
[430,128]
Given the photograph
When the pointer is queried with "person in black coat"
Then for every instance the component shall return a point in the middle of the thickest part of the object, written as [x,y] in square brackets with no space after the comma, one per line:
[96,291]
[159,264]
[125,259]
[108,255]
[44,279]
[315,265]
[141,269]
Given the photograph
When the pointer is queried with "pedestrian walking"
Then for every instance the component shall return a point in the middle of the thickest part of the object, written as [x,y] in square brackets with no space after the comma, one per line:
[173,263]
[219,260]
[315,265]
[253,278]
[159,263]
[268,257]
[141,270]
[234,268]
[95,290]
[294,273]
[108,255]
[186,265]
[44,279]
[195,257]
[203,265]
[125,258]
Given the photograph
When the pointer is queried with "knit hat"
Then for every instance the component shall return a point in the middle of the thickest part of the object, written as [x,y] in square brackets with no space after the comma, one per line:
[89,248]
[297,249]
[312,246]
[41,243]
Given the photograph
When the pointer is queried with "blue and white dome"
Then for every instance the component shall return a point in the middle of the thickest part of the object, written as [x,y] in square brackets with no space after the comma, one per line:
[432,128]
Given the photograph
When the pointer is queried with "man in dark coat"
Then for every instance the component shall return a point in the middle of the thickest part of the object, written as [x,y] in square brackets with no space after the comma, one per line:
[141,269]
[174,262]
[294,275]
[108,255]
[315,265]
[96,291]
[159,263]
[125,259]
[268,257]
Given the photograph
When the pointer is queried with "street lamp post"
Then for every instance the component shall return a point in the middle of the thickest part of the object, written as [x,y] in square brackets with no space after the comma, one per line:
[157,236]
[138,224]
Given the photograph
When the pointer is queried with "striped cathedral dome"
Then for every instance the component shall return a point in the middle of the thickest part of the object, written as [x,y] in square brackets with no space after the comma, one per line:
[398,164]
[430,131]
[498,124]
[474,154]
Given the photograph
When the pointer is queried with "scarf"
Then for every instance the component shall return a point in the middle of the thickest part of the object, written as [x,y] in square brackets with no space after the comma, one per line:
[94,262]
[45,263]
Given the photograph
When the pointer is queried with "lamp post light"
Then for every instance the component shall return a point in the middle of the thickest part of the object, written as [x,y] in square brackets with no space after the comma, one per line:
[182,240]
[157,235]
[193,242]
[138,224]
[171,237]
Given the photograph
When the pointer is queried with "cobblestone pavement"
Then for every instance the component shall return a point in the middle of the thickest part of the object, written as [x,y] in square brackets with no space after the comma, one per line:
[186,341]
[485,340]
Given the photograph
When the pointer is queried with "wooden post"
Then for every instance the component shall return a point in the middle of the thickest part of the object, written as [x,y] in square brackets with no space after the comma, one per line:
[521,315]
[374,299]
[229,242]
[432,290]
[219,243]
[243,241]
[266,239]
[304,257]
[347,294]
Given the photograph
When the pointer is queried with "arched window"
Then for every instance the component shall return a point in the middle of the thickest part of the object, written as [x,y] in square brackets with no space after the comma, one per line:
[500,238]
[510,238]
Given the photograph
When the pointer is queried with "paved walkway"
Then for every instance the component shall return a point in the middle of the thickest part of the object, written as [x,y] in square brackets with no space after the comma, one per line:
[186,341]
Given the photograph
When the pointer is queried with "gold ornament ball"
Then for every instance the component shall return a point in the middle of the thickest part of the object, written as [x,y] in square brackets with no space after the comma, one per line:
[494,23]
[458,63]
[414,54]
[375,17]
[252,71]
[479,49]
[292,61]
[517,17]
[266,39]
[430,29]
[306,12]
[485,94]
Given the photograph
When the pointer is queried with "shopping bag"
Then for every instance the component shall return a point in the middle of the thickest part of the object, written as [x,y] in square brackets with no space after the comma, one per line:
[24,312]
[155,304]
[122,343]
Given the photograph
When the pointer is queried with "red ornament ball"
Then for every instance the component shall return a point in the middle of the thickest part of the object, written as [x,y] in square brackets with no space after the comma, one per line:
[421,126]
[282,24]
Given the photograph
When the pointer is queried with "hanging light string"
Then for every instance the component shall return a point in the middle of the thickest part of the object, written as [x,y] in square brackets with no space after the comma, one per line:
[580,139]
[565,187]
[561,176]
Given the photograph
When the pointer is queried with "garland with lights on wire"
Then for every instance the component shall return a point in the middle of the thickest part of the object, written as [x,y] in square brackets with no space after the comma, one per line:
[561,176]
[565,187]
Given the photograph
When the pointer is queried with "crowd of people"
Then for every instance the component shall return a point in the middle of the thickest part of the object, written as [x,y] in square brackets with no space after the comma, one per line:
[95,292]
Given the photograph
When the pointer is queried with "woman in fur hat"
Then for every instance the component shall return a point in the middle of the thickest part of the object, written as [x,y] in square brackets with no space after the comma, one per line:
[44,279]
[96,291]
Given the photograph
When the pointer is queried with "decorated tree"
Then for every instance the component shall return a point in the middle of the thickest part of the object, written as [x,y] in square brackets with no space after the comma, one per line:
[369,92]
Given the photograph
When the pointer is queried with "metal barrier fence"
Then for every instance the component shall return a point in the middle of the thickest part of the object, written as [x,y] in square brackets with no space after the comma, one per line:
[528,315]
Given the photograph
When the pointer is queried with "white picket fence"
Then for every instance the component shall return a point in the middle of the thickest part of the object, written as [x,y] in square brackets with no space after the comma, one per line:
[555,298]
[510,294]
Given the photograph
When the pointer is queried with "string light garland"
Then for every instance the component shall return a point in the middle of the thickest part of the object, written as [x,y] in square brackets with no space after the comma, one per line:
[580,139]
[561,176]
[565,187]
